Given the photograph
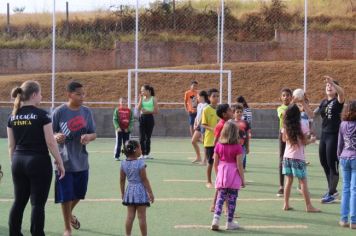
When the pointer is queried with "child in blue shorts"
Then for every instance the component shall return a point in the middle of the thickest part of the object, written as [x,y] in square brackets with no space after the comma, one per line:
[294,134]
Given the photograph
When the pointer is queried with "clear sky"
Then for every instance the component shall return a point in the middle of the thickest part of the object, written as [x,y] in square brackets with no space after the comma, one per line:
[74,5]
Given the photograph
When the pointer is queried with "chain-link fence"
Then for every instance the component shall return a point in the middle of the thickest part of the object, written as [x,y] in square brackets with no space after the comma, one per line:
[262,44]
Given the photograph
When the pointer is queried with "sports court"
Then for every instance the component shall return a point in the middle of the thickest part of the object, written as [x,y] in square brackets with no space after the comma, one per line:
[182,201]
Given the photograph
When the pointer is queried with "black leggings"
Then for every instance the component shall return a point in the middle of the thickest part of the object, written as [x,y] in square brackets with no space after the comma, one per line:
[282,147]
[32,176]
[147,123]
[329,160]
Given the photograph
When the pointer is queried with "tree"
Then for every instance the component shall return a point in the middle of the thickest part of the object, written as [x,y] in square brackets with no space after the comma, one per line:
[19,9]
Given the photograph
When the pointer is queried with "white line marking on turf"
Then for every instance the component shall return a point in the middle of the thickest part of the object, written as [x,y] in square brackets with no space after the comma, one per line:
[181,199]
[245,227]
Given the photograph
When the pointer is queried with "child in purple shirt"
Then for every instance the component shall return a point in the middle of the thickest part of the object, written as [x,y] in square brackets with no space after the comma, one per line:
[346,151]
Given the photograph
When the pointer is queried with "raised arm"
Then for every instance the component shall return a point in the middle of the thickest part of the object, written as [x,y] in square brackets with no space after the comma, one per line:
[340,91]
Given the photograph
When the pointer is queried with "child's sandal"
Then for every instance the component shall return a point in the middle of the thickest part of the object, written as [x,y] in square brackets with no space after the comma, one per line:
[75,222]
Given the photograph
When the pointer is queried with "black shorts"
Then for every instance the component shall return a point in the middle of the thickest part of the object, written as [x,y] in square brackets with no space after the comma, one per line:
[209,152]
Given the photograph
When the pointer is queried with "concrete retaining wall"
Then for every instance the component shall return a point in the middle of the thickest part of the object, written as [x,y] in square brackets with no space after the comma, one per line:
[172,123]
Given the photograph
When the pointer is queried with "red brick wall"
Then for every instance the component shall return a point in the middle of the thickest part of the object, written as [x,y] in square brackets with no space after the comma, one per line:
[287,46]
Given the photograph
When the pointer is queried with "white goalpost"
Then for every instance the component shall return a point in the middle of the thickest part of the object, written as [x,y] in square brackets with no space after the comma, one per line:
[172,71]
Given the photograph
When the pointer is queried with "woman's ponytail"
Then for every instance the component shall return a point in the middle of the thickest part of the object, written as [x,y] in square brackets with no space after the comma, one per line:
[24,93]
[16,93]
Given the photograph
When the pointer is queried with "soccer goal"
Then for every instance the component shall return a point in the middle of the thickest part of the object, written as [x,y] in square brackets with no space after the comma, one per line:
[134,73]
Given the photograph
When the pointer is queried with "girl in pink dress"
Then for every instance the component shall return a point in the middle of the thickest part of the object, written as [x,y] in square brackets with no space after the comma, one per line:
[229,174]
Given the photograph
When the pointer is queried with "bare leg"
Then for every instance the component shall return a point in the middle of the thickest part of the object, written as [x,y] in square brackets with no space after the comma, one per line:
[305,191]
[131,213]
[212,208]
[287,189]
[67,217]
[141,215]
[195,140]
[208,175]
[191,130]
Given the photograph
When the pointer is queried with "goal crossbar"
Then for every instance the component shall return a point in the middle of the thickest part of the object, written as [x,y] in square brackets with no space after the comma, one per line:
[175,71]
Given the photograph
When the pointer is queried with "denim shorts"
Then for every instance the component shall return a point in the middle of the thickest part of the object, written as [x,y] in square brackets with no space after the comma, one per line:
[192,118]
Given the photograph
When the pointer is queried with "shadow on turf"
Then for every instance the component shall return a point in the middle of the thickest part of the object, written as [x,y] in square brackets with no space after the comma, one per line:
[243,231]
[286,217]
[98,233]
[172,162]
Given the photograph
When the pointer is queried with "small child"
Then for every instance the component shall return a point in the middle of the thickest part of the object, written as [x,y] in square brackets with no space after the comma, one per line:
[346,151]
[286,97]
[224,112]
[138,194]
[123,120]
[294,134]
[244,130]
[198,130]
[247,112]
[230,174]
[208,122]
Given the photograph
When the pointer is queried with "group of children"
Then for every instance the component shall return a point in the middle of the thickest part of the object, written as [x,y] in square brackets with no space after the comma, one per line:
[225,132]
[296,132]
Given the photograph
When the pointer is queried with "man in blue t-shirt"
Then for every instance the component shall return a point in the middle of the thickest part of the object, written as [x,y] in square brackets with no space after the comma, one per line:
[73,128]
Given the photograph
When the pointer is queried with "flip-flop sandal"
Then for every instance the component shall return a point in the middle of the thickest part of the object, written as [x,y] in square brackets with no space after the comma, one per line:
[75,222]
[289,209]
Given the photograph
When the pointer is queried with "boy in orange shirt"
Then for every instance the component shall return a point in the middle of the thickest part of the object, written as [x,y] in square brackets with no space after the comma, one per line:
[191,103]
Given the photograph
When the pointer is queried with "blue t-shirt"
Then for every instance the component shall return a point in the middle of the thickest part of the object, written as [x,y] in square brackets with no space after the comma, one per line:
[73,124]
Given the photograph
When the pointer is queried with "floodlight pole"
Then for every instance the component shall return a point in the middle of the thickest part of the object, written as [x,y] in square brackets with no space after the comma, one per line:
[305,44]
[222,47]
[53,53]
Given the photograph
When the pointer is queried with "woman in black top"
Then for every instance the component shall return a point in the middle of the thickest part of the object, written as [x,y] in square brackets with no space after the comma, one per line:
[30,136]
[330,110]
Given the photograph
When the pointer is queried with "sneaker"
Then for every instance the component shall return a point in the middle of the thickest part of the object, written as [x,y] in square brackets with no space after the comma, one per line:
[335,195]
[148,157]
[215,224]
[328,199]
[280,192]
[232,225]
[344,224]
[117,158]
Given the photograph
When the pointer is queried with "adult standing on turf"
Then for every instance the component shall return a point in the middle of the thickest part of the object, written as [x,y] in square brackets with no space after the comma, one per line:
[30,135]
[74,128]
[148,106]
[330,110]
[191,104]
